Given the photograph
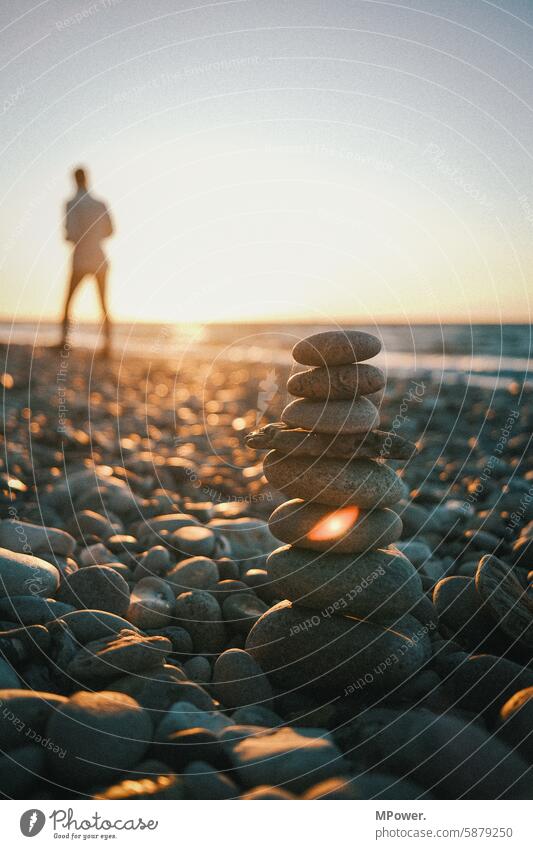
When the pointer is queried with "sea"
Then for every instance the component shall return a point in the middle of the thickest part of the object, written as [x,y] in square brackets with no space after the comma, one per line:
[491,355]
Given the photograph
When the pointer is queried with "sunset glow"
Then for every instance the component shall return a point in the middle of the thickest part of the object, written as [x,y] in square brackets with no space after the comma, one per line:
[334,525]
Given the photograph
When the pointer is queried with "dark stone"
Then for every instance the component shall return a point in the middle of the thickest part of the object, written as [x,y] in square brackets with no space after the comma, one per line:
[452,758]
[97,588]
[32,610]
[462,612]
[296,442]
[483,683]
[298,647]
[516,723]
[506,598]
[101,734]
[194,744]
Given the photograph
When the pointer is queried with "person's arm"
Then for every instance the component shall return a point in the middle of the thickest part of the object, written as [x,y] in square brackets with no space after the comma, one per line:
[69,224]
[107,224]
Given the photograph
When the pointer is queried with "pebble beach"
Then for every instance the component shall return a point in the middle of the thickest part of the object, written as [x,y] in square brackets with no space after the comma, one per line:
[134,540]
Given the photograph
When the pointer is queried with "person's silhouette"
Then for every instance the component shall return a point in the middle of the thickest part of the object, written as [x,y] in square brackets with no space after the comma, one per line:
[87,224]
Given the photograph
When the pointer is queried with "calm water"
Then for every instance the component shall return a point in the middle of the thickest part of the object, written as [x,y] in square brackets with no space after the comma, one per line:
[480,353]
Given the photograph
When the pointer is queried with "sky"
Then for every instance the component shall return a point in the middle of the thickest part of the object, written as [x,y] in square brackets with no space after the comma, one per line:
[263,159]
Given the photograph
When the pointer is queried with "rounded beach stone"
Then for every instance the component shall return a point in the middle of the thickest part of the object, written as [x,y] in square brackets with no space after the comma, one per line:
[166,522]
[516,717]
[148,784]
[347,529]
[297,442]
[195,573]
[257,715]
[18,645]
[462,611]
[266,791]
[259,582]
[122,543]
[249,538]
[198,670]
[201,510]
[181,747]
[185,714]
[200,614]
[102,660]
[418,552]
[151,603]
[100,734]
[364,483]
[336,347]
[21,769]
[299,647]
[179,637]
[242,610]
[522,553]
[193,541]
[9,679]
[157,691]
[336,383]
[203,782]
[31,609]
[356,416]
[87,522]
[227,569]
[288,757]
[381,583]
[25,537]
[189,691]
[97,555]
[465,760]
[87,625]
[23,574]
[333,788]
[506,598]
[156,561]
[484,682]
[23,710]
[98,588]
[239,681]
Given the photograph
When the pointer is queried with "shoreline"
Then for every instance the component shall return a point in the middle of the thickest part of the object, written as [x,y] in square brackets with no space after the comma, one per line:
[142,513]
[484,371]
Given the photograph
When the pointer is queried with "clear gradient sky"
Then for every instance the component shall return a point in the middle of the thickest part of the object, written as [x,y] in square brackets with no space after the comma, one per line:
[262,158]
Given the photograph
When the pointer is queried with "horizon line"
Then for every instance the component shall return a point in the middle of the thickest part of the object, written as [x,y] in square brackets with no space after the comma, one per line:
[287,320]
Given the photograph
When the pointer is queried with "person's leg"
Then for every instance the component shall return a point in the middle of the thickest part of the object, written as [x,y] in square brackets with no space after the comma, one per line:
[101,279]
[75,280]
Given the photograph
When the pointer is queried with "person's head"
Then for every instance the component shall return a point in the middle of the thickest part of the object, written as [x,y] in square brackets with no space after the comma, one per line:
[80,176]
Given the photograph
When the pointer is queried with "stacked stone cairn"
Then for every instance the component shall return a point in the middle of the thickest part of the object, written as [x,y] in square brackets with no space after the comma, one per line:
[354,615]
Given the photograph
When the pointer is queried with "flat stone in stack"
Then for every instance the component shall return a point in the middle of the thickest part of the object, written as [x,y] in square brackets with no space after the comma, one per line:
[347,619]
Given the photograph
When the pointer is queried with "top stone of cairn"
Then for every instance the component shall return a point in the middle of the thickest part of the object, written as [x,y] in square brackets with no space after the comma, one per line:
[336,348]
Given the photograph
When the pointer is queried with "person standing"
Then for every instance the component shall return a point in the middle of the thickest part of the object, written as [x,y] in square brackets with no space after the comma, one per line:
[87,224]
